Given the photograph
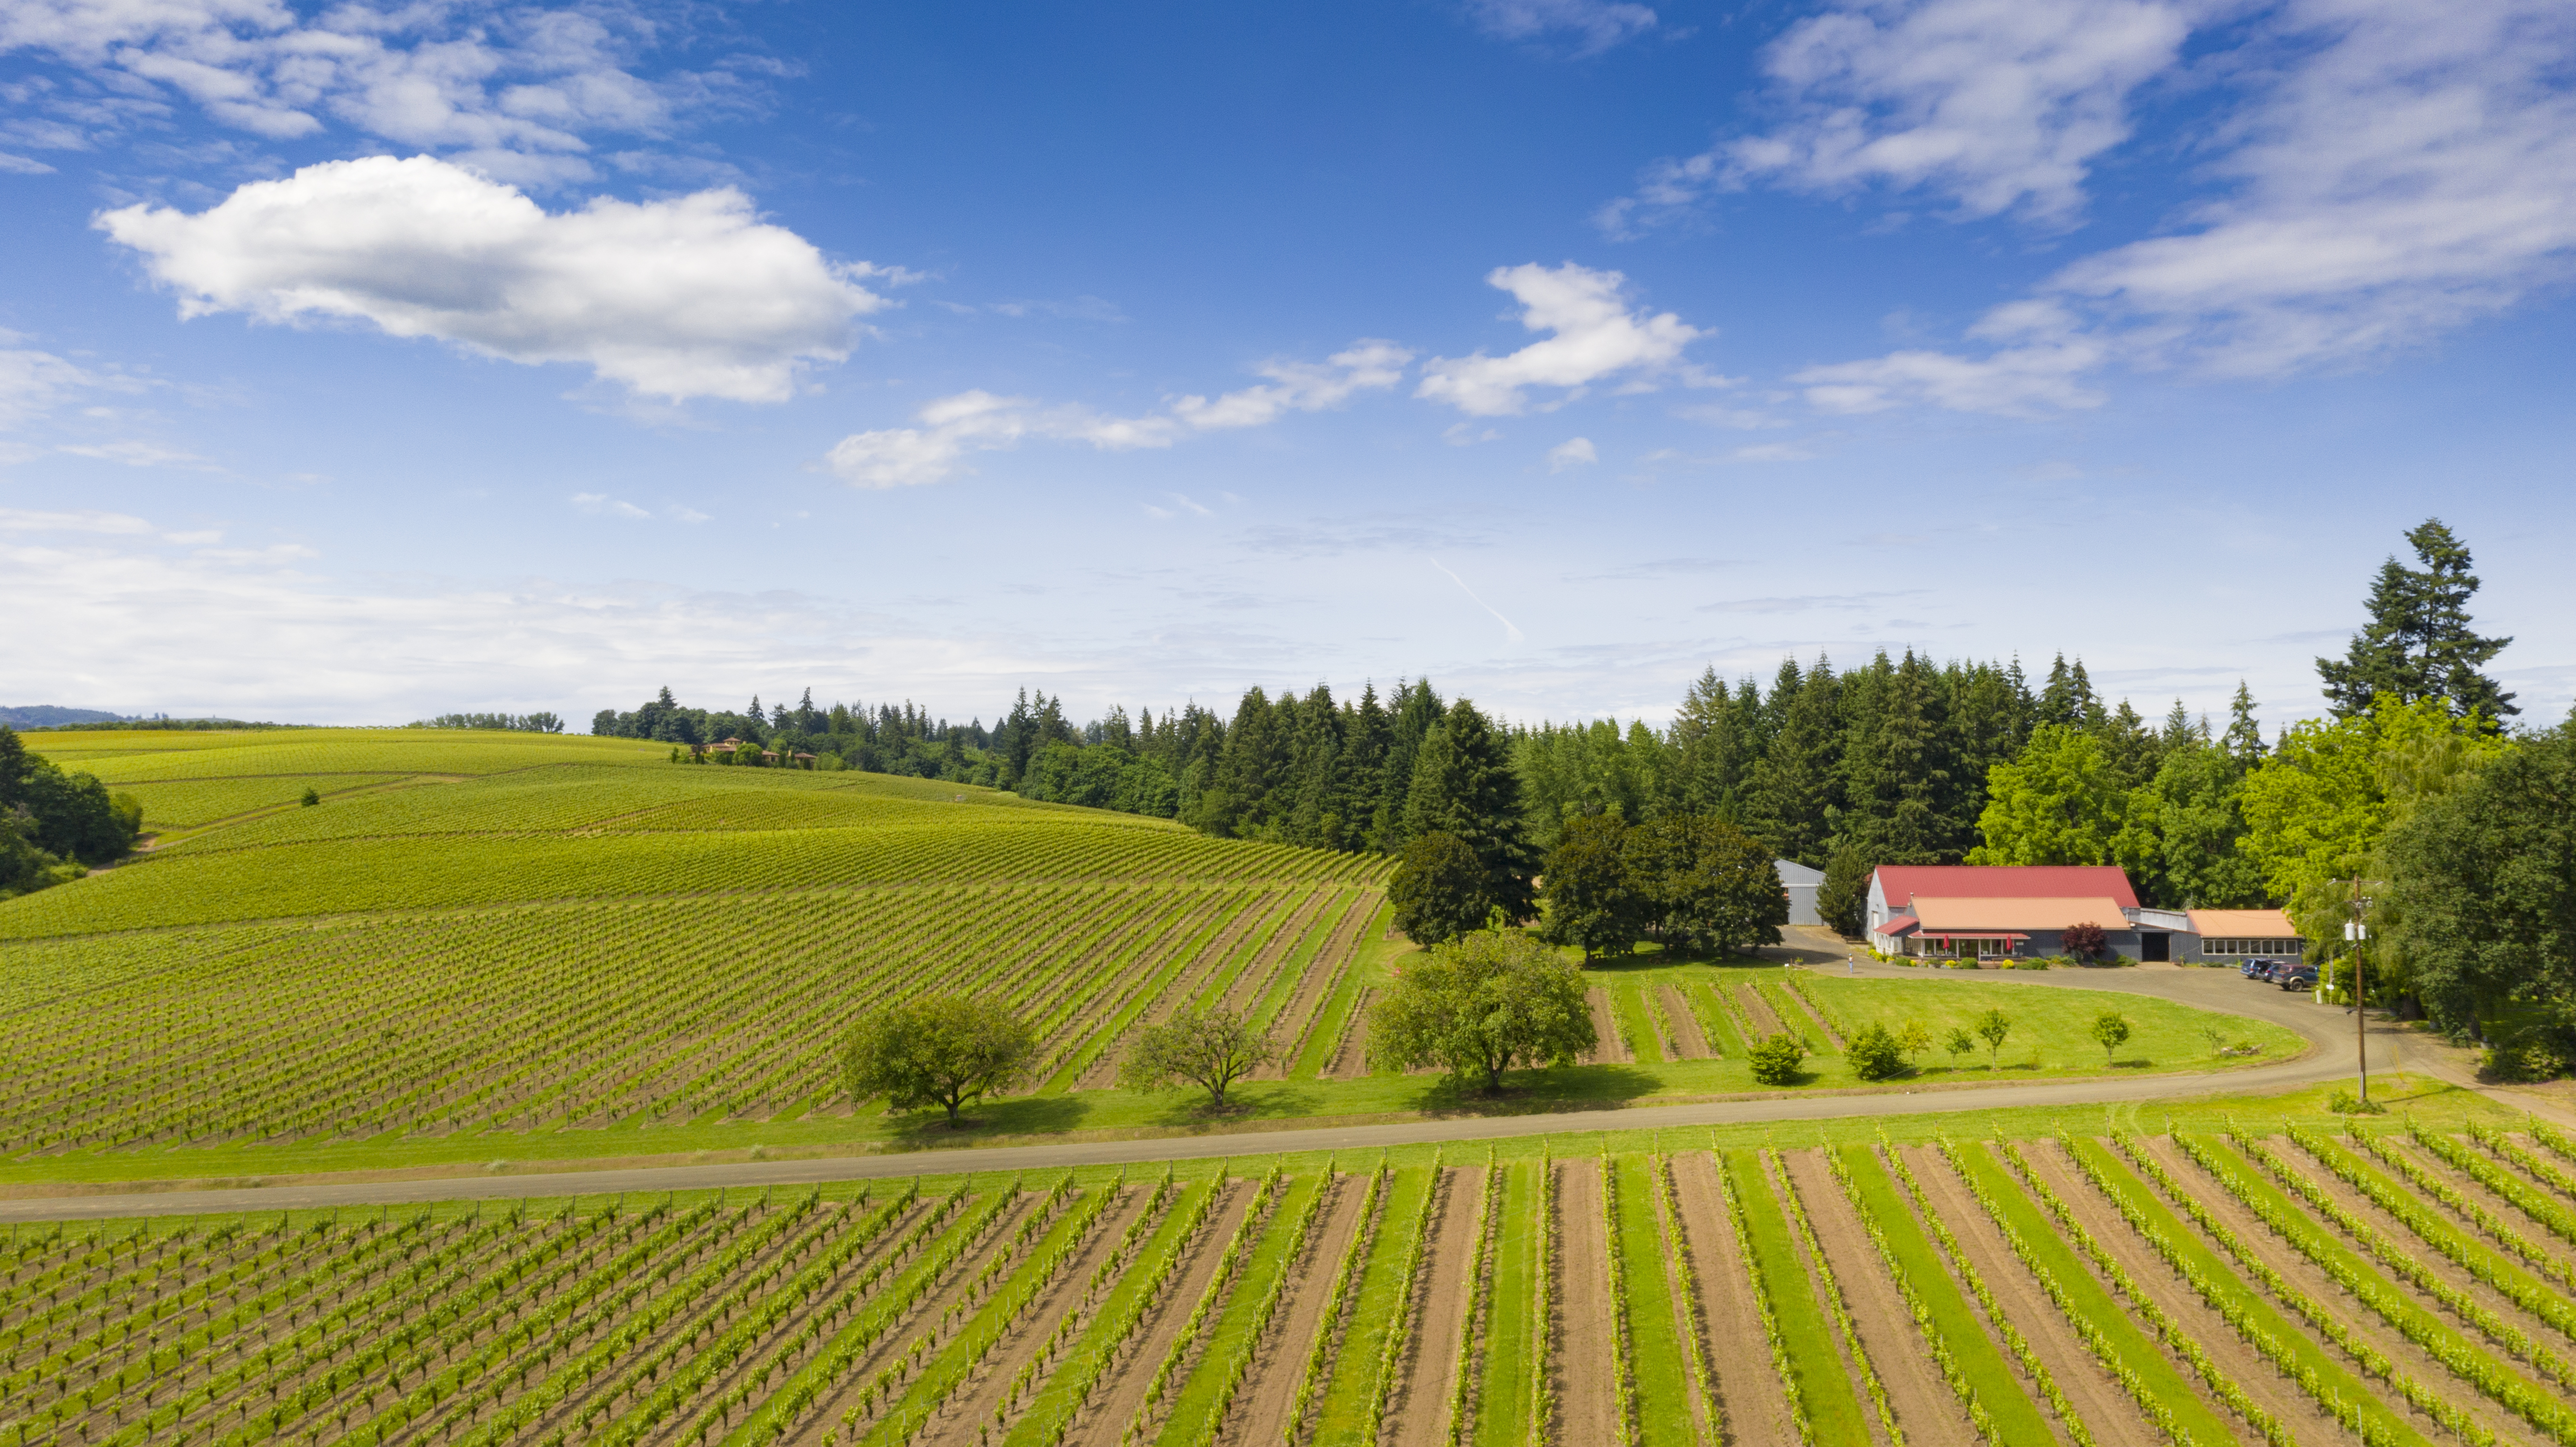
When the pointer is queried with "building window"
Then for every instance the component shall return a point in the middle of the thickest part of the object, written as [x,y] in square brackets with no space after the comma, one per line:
[2252,947]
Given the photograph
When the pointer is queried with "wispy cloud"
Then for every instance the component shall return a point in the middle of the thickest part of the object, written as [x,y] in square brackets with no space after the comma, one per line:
[1583,27]
[1573,452]
[951,428]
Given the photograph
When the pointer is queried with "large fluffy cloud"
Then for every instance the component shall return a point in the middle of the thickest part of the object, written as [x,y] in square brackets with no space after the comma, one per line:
[1593,336]
[949,429]
[693,297]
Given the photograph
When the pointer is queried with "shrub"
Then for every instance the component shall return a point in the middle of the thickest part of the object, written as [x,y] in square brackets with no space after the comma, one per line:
[1775,1060]
[2344,1102]
[312,796]
[1874,1053]
[2085,941]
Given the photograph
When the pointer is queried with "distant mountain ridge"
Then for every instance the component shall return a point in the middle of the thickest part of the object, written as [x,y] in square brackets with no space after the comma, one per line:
[46,716]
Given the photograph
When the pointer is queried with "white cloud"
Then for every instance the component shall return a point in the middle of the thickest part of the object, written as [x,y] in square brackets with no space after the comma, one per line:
[139,454]
[1591,26]
[1573,452]
[692,297]
[518,88]
[23,165]
[979,421]
[23,520]
[2404,171]
[2416,171]
[2036,366]
[33,383]
[1771,452]
[600,504]
[2001,105]
[1594,335]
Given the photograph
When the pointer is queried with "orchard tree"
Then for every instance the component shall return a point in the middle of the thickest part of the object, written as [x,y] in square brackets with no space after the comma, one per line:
[2110,1030]
[1994,1027]
[1481,1005]
[1209,1048]
[940,1050]
[1439,890]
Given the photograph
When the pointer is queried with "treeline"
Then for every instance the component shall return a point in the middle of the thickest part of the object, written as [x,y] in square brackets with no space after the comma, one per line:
[53,822]
[522,723]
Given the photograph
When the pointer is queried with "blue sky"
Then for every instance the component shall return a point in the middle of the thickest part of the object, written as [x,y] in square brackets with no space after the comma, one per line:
[358,362]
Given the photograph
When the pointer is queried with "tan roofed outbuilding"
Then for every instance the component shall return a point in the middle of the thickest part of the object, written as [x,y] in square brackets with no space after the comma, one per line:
[2261,924]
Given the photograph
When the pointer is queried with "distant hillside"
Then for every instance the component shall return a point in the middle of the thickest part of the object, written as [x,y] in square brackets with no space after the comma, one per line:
[47,716]
[426,930]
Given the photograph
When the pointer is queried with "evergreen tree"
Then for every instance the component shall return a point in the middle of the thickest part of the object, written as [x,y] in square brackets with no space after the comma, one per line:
[1463,786]
[1796,782]
[2418,643]
[2244,741]
[1898,771]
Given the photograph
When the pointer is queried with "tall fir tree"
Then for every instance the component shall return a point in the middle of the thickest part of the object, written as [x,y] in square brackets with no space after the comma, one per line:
[2418,643]
[1463,785]
[1796,782]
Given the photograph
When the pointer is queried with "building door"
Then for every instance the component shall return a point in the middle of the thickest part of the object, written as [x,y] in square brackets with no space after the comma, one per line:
[2155,948]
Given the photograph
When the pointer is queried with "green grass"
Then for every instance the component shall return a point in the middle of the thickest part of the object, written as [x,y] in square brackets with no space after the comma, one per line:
[1377,1309]
[2049,1024]
[1664,1387]
[1954,1318]
[2130,1344]
[1827,1391]
[1503,1398]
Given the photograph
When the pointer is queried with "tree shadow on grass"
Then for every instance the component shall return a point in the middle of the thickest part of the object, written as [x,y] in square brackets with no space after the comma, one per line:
[1538,1092]
[1247,1101]
[1017,1115]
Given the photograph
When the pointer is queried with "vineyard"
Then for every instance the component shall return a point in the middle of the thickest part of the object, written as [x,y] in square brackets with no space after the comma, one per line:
[609,939]
[2402,1287]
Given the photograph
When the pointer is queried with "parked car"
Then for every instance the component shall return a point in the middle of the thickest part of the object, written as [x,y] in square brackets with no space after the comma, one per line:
[2255,969]
[2300,976]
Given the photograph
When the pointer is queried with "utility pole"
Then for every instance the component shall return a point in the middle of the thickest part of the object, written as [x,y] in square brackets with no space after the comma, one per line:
[2356,933]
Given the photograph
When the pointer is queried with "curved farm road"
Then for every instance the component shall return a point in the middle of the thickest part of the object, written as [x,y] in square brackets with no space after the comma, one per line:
[2328,1027]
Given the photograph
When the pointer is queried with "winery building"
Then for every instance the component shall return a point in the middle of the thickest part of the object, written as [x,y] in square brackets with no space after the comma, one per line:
[1960,912]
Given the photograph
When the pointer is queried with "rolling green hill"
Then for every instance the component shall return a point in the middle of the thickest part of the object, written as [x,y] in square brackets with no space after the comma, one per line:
[506,931]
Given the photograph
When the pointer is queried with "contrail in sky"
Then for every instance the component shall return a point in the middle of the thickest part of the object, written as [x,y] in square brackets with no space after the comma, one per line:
[1511,629]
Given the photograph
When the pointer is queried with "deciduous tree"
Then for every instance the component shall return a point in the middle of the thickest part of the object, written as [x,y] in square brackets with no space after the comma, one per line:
[1481,1005]
[1439,889]
[943,1050]
[1209,1048]
[1592,903]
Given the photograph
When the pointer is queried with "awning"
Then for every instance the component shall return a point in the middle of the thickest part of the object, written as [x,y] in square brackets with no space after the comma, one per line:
[1948,935]
[1902,925]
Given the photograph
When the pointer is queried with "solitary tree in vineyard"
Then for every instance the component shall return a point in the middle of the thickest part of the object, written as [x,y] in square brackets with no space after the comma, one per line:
[1480,1006]
[940,1050]
[1211,1048]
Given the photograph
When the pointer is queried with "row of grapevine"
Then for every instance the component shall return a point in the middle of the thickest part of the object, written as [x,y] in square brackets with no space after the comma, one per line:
[1054,1312]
